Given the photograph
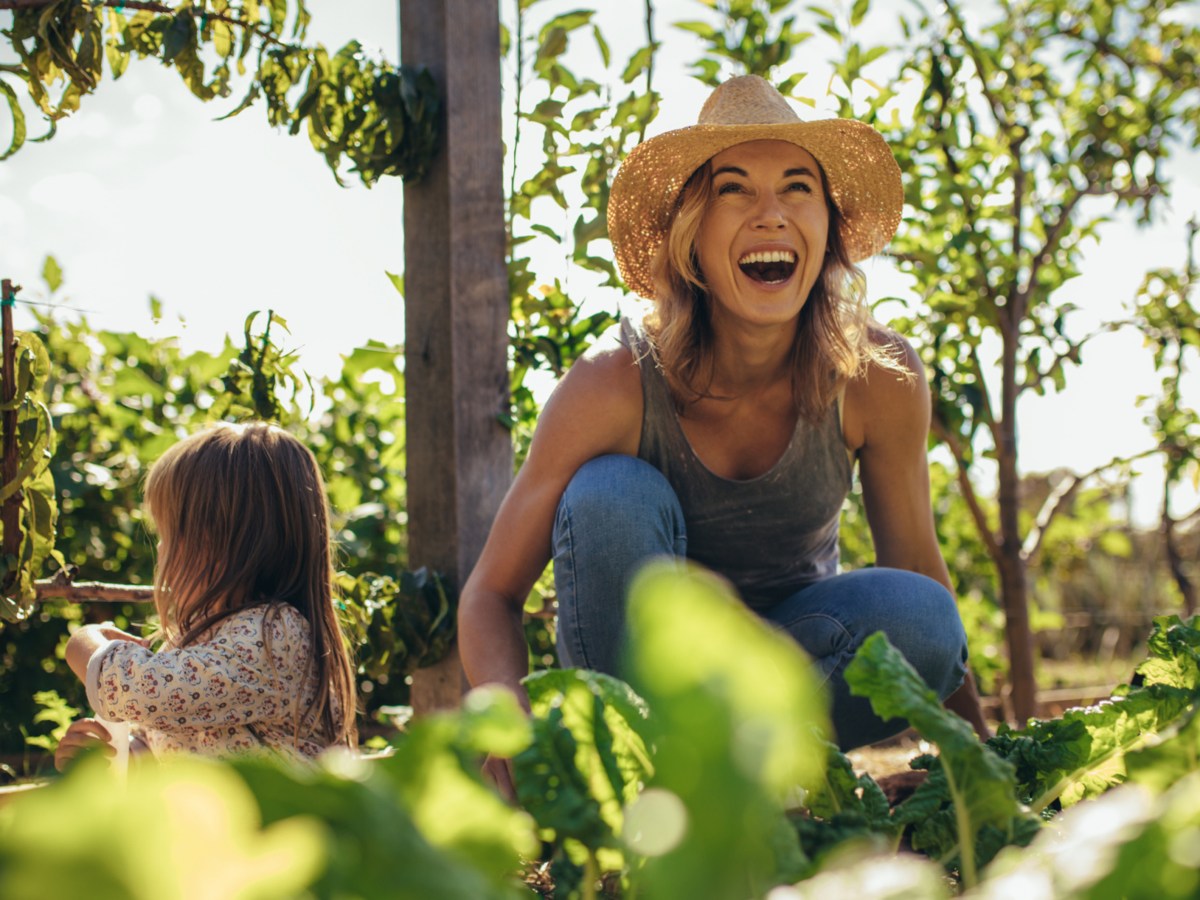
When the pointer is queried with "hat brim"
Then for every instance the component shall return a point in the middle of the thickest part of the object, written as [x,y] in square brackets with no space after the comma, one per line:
[863,177]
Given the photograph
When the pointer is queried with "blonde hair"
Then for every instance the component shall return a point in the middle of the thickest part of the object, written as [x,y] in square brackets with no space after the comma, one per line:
[243,519]
[833,340]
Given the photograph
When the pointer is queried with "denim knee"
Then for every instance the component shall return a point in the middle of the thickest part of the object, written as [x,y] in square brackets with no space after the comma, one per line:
[615,486]
[616,513]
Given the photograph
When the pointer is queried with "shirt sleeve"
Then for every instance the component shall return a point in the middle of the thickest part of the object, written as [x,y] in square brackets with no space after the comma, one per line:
[227,679]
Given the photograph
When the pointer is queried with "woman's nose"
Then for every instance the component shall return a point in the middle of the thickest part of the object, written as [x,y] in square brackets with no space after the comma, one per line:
[768,213]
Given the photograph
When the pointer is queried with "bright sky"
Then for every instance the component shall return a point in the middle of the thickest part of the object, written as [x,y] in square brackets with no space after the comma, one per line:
[142,193]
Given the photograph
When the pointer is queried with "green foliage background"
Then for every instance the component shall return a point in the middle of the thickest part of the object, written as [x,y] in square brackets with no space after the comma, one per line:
[118,399]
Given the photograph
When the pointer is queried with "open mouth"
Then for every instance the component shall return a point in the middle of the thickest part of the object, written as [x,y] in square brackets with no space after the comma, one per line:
[768,266]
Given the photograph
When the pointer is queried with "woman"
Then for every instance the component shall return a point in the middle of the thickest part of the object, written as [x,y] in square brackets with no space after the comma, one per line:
[725,427]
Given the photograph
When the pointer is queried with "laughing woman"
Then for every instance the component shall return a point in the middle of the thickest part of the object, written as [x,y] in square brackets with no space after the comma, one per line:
[725,426]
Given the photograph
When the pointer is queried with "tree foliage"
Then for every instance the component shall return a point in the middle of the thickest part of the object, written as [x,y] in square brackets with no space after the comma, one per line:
[378,118]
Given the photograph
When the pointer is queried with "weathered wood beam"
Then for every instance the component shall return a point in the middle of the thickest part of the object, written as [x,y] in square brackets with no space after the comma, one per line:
[456,309]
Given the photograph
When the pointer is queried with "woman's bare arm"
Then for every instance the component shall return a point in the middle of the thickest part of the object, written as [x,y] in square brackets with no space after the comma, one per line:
[595,410]
[887,422]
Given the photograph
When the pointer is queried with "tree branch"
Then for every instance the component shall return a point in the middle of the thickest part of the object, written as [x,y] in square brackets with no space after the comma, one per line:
[1053,236]
[977,59]
[1058,498]
[988,413]
[1032,379]
[93,591]
[968,490]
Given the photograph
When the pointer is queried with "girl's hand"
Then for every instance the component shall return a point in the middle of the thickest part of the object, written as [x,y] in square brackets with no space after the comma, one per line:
[111,632]
[82,734]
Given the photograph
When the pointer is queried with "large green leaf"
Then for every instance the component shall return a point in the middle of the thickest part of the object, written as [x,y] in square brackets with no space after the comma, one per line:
[738,717]
[981,786]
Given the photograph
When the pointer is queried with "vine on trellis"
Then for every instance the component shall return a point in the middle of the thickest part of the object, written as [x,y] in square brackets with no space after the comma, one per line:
[28,509]
[382,119]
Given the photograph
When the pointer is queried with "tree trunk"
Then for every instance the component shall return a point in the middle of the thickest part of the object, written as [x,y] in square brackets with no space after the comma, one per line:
[1175,560]
[1011,563]
[1014,595]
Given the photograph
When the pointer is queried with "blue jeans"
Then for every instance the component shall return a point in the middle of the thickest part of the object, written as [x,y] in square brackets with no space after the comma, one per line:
[618,512]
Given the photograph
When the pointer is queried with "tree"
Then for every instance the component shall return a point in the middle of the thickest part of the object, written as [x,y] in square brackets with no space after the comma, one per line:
[1011,133]
[1021,125]
[1171,324]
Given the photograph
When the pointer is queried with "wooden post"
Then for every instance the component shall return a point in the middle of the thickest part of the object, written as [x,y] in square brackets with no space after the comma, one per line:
[456,309]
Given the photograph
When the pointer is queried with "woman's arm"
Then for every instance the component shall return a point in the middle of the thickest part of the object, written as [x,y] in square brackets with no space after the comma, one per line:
[596,409]
[887,422]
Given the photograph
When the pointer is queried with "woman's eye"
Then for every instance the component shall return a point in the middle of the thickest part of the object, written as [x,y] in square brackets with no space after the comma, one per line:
[729,187]
[800,186]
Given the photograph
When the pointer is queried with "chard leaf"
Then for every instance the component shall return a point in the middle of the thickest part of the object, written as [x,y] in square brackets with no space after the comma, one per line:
[1174,755]
[980,786]
[603,758]
[1174,648]
[1125,844]
[1082,753]
[553,789]
[844,808]
[733,732]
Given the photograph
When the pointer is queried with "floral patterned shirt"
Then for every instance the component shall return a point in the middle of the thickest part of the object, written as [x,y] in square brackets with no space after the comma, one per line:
[232,691]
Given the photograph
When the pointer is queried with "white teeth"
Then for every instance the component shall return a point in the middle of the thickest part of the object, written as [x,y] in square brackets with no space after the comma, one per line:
[768,256]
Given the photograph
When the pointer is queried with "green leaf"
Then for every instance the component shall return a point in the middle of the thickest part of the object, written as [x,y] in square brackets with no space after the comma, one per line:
[570,21]
[605,722]
[434,767]
[981,785]
[18,120]
[702,29]
[397,282]
[638,63]
[79,837]
[859,11]
[734,733]
[602,46]
[52,274]
[180,34]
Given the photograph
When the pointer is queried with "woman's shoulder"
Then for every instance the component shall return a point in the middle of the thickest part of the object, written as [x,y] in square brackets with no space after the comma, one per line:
[889,362]
[597,406]
[608,370]
[889,389]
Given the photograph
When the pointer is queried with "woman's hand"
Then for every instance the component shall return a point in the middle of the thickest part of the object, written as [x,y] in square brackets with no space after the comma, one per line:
[499,772]
[82,734]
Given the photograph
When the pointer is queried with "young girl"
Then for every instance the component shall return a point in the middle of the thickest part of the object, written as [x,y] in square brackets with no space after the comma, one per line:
[253,657]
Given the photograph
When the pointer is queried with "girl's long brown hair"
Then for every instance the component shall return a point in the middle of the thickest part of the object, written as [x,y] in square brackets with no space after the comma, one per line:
[835,337]
[243,520]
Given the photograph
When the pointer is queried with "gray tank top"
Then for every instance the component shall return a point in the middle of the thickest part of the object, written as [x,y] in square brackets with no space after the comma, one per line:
[770,535]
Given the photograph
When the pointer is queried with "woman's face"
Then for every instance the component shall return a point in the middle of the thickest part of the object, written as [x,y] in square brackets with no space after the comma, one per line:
[761,241]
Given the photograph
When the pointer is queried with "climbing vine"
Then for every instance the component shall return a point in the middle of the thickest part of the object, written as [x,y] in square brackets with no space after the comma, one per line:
[380,119]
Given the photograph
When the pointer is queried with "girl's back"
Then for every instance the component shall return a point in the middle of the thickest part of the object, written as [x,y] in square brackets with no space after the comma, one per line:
[235,690]
[253,657]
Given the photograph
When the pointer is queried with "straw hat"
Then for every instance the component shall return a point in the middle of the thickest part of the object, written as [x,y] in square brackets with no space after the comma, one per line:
[864,179]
